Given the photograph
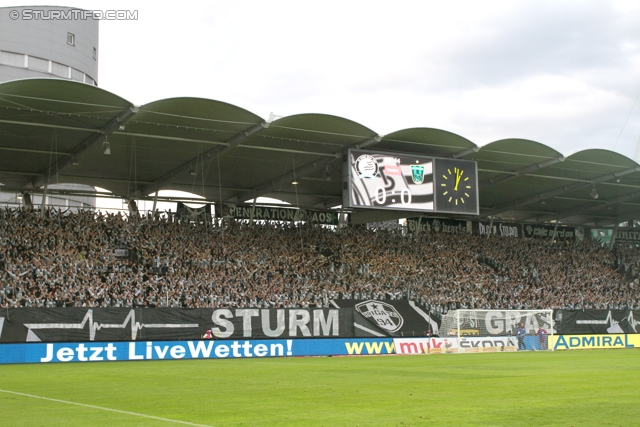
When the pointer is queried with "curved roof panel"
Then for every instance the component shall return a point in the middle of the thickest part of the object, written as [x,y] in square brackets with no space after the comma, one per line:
[75,96]
[63,131]
[42,122]
[427,141]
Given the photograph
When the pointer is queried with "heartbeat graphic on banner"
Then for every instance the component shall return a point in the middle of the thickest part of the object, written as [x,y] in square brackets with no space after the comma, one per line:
[632,321]
[96,326]
[578,322]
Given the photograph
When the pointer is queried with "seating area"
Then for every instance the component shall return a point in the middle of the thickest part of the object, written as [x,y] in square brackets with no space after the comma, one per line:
[89,259]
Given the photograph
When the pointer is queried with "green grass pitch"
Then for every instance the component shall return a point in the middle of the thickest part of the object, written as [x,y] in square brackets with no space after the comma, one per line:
[570,388]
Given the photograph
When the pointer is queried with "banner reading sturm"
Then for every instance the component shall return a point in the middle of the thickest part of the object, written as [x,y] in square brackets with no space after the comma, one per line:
[141,324]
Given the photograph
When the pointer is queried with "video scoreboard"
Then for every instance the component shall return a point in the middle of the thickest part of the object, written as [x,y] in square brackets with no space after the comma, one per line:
[408,182]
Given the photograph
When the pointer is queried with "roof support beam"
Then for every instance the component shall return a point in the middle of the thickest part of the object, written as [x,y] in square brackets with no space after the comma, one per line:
[617,220]
[48,125]
[169,177]
[301,172]
[27,150]
[328,203]
[98,137]
[274,184]
[614,234]
[562,190]
[590,207]
[169,138]
[520,172]
[366,143]
[465,152]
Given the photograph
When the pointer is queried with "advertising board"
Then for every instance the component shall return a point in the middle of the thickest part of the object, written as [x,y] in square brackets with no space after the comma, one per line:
[197,349]
[582,342]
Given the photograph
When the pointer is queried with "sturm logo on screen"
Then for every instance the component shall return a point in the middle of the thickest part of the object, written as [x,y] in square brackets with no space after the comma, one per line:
[382,314]
[367,166]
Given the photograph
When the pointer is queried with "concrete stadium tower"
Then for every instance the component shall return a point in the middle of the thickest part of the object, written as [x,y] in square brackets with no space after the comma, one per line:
[49,42]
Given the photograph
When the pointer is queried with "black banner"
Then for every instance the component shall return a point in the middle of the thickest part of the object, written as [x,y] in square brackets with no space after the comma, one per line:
[438,225]
[546,231]
[578,322]
[142,324]
[397,318]
[280,214]
[628,235]
[503,229]
[184,212]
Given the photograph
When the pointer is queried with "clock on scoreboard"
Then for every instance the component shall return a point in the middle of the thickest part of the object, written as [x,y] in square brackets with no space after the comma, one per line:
[400,181]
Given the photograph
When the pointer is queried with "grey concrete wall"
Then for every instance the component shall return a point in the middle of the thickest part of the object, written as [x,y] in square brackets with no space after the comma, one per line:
[47,39]
[11,73]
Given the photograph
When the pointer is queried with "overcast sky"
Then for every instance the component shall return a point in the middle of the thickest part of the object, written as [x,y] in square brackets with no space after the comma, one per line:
[564,73]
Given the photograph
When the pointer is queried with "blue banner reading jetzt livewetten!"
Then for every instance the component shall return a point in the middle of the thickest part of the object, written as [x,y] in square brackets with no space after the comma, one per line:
[174,350]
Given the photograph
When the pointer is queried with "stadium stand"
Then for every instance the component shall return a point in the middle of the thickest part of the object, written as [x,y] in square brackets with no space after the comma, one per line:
[79,259]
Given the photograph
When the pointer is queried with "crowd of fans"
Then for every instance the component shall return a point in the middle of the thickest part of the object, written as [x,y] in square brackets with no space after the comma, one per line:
[79,260]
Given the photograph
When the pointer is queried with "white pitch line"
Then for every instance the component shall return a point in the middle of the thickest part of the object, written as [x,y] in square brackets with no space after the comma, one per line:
[169,420]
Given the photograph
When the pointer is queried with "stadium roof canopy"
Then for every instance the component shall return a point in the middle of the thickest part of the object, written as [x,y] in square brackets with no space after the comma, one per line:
[56,131]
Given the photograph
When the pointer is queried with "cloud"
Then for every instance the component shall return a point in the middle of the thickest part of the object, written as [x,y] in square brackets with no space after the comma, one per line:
[561,73]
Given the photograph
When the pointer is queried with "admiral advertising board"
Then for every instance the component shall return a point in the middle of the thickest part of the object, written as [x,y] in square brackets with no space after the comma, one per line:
[408,182]
[583,342]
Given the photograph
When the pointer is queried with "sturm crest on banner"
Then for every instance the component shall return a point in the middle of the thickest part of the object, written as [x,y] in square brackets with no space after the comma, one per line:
[382,314]
[402,318]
